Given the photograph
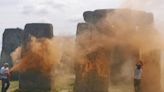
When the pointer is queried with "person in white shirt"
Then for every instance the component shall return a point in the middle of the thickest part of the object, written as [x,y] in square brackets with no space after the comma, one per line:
[138,76]
[5,73]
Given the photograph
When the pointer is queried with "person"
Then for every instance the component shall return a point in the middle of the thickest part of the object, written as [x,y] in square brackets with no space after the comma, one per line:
[137,76]
[5,74]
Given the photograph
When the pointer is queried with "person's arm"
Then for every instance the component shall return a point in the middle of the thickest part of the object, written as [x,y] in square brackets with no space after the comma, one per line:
[1,72]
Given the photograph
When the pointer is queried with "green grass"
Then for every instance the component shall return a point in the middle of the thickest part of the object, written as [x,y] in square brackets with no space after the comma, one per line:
[14,85]
[62,84]
[65,84]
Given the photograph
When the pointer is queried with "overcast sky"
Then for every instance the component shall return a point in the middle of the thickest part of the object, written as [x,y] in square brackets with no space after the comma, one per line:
[63,14]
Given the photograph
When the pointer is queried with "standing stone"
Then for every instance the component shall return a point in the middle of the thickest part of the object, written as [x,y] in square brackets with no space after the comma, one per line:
[82,27]
[12,39]
[89,80]
[95,16]
[112,22]
[151,79]
[38,30]
[35,79]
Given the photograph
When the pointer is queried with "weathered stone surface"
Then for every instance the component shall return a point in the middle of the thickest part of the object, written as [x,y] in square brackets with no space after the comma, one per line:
[151,81]
[12,38]
[35,79]
[90,81]
[95,16]
[84,32]
[37,30]
[138,17]
[82,27]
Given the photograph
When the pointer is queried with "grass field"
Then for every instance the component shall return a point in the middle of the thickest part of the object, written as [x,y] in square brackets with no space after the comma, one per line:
[66,85]
[13,86]
[61,85]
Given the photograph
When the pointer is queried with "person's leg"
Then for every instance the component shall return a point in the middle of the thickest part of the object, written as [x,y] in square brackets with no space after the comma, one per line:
[139,85]
[135,85]
[3,85]
[7,84]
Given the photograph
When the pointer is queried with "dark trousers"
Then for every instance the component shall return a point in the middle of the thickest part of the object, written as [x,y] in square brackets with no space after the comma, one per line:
[5,84]
[137,85]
